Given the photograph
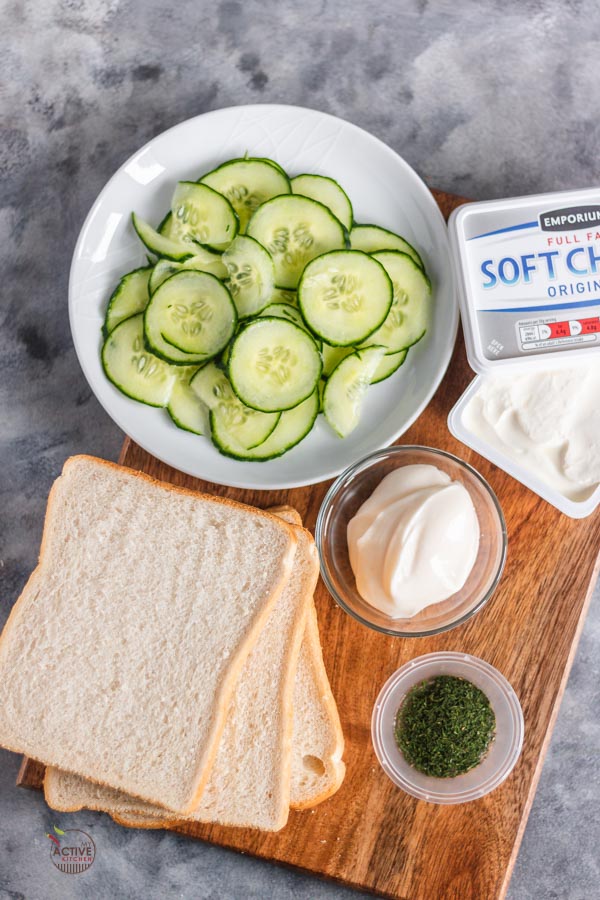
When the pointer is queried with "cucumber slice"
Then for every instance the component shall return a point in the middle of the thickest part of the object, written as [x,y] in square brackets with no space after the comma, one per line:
[202,261]
[292,314]
[285,311]
[246,426]
[372,238]
[295,230]
[204,215]
[132,369]
[273,364]
[328,192]
[246,183]
[346,388]
[128,298]
[410,313]
[388,365]
[280,295]
[292,427]
[251,275]
[344,296]
[321,389]
[332,356]
[191,313]
[185,407]
[160,245]
[271,162]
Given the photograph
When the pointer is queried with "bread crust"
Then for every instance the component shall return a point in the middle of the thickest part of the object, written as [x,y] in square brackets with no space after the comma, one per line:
[335,750]
[205,763]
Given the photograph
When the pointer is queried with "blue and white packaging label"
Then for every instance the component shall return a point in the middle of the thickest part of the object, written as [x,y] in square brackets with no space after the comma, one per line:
[529,277]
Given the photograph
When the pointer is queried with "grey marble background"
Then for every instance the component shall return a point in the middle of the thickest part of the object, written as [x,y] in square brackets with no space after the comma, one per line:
[486,99]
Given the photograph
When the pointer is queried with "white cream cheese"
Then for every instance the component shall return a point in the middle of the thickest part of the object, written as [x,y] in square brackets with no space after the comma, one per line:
[547,421]
[414,541]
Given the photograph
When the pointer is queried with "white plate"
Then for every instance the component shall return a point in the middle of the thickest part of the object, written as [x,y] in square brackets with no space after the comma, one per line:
[383,189]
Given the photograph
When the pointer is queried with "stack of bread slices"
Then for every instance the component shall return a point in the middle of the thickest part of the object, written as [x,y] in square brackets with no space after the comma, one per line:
[164,659]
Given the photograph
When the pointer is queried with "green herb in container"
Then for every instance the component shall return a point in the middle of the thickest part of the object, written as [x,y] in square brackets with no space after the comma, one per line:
[445,726]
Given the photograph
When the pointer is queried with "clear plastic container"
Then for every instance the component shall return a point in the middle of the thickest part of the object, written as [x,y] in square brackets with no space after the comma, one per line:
[504,750]
[528,281]
[576,509]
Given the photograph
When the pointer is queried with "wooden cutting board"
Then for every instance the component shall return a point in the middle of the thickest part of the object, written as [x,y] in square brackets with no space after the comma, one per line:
[370,834]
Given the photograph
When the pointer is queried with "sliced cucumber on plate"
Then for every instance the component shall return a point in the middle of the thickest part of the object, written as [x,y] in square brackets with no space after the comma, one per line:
[273,364]
[281,295]
[346,388]
[251,275]
[129,297]
[388,365]
[161,245]
[409,315]
[344,296]
[293,426]
[132,368]
[372,238]
[295,230]
[203,215]
[332,356]
[185,408]
[202,261]
[247,427]
[328,192]
[191,317]
[262,305]
[248,183]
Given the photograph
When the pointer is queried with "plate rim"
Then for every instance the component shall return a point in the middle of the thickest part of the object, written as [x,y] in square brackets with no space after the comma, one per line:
[434,211]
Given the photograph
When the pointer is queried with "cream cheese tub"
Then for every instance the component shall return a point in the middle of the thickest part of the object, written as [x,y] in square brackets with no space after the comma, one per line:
[528,272]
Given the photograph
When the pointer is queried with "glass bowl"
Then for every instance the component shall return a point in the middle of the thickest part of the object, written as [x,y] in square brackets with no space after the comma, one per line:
[504,750]
[348,493]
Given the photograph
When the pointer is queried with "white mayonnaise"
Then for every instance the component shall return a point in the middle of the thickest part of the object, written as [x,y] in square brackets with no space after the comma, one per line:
[414,541]
[547,421]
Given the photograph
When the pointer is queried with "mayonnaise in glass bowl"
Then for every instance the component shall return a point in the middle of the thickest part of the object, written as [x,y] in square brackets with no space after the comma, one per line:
[354,487]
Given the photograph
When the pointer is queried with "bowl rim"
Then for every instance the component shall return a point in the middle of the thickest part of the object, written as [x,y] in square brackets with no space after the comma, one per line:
[470,662]
[355,469]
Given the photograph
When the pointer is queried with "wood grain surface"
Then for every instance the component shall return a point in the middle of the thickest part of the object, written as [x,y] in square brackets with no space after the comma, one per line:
[370,834]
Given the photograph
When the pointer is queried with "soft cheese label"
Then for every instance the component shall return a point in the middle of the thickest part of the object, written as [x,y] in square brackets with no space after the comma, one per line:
[531,274]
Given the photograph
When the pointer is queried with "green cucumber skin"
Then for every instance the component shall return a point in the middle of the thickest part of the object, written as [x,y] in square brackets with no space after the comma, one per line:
[164,222]
[418,261]
[249,458]
[249,159]
[338,185]
[172,362]
[180,425]
[425,276]
[393,371]
[115,294]
[176,257]
[354,342]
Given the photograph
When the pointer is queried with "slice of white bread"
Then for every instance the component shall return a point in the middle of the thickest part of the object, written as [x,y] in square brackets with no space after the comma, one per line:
[250,781]
[318,741]
[118,663]
[317,745]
